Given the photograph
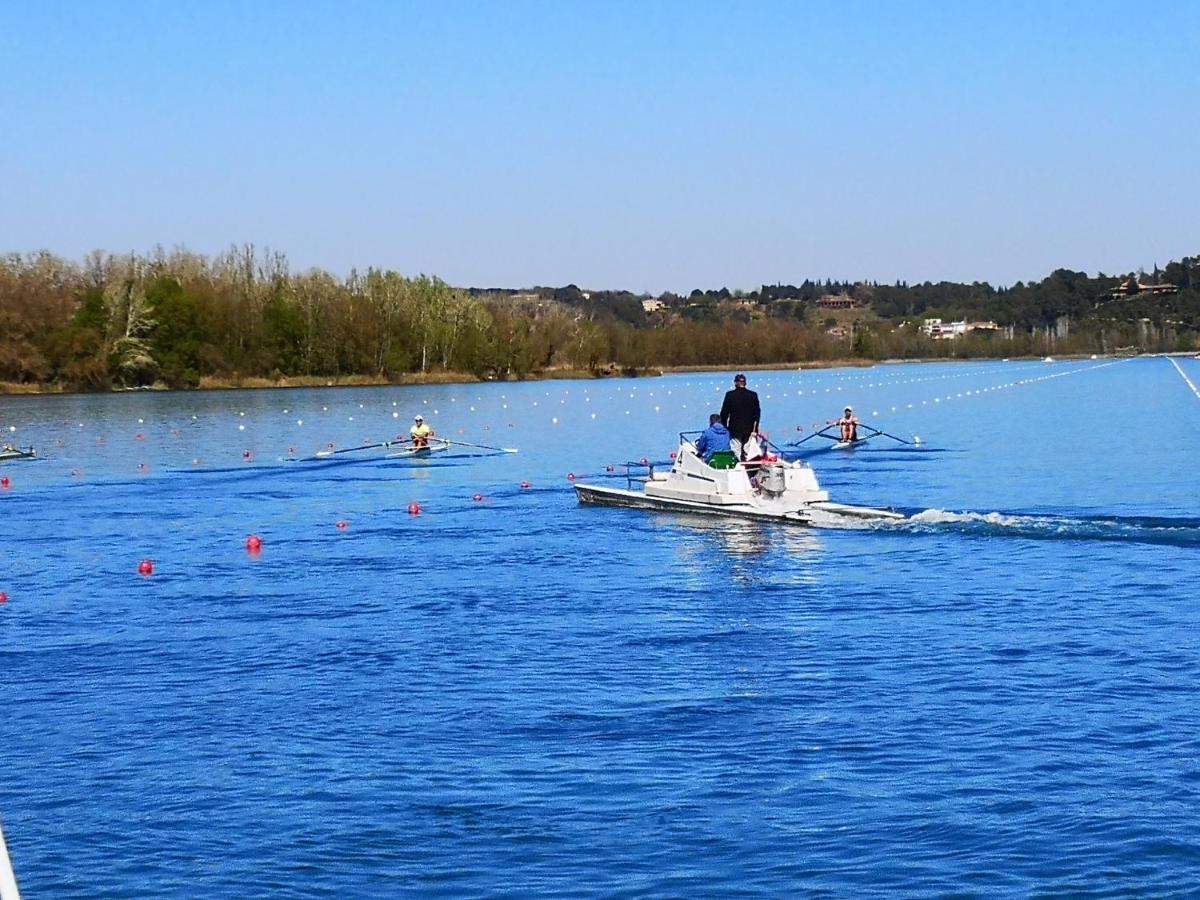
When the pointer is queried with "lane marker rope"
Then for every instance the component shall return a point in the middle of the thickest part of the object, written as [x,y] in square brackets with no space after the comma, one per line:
[1191,384]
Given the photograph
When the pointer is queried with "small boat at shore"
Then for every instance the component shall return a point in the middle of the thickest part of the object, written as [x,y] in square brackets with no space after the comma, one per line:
[10,453]
[770,488]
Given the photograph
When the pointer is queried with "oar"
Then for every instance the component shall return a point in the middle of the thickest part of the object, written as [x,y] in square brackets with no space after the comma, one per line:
[322,454]
[820,433]
[479,446]
[885,434]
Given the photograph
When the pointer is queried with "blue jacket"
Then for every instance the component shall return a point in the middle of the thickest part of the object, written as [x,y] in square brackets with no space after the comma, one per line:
[714,440]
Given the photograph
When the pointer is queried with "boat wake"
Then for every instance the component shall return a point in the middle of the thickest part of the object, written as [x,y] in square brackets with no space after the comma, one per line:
[1178,532]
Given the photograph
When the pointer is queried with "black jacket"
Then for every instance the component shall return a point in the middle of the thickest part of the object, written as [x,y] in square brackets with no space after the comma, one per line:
[740,413]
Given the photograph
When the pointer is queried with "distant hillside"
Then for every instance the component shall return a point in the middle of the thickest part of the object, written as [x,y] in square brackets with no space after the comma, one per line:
[176,318]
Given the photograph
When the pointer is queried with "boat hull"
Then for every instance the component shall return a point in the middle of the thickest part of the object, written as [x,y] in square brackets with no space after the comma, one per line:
[418,452]
[599,495]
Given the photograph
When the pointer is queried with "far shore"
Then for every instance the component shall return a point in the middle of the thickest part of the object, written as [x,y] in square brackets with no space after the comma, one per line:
[235,383]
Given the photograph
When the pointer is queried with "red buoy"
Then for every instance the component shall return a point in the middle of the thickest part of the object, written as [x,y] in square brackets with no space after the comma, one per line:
[247,455]
[414,509]
[146,567]
[343,525]
[673,454]
[478,498]
[5,483]
[3,597]
[645,462]
[525,485]
[570,476]
[254,543]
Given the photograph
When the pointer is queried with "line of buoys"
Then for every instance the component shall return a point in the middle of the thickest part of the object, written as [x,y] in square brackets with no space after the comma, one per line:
[1183,374]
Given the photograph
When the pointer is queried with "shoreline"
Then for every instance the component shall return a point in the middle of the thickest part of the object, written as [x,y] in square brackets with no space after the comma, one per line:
[13,389]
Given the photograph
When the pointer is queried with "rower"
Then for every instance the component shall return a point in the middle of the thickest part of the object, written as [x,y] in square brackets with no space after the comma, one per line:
[420,432]
[849,425]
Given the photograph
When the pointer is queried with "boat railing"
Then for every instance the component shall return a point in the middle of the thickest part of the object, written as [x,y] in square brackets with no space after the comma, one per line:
[765,443]
[638,472]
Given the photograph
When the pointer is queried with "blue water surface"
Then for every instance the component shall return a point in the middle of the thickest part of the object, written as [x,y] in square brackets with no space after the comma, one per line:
[516,695]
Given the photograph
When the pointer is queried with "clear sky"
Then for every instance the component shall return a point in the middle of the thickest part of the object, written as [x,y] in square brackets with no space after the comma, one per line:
[642,145]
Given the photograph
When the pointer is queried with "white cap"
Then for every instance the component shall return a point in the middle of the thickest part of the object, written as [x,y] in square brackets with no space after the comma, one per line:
[418,418]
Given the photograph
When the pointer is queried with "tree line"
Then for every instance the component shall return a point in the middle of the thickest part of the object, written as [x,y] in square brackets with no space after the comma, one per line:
[178,318]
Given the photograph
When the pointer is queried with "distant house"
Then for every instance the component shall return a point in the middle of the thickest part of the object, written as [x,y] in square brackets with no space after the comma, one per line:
[941,331]
[1131,287]
[840,301]
[653,305]
[988,327]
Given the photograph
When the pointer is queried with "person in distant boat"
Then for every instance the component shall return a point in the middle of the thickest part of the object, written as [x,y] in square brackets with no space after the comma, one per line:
[740,414]
[10,448]
[849,425]
[714,440]
[420,432]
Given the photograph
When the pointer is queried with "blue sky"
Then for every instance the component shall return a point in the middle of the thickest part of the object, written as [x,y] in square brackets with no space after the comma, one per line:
[643,145]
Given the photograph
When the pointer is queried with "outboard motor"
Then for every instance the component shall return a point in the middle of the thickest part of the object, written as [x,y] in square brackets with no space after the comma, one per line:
[772,479]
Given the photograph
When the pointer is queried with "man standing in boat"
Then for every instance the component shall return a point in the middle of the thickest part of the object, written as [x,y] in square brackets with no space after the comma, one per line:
[420,433]
[740,414]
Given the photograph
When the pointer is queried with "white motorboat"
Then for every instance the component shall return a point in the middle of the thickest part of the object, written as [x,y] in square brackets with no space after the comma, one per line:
[772,488]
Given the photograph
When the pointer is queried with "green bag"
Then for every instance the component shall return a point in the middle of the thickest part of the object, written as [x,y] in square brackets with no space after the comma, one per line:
[723,459]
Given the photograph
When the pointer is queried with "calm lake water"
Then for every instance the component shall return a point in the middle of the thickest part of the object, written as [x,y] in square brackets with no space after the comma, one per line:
[517,695]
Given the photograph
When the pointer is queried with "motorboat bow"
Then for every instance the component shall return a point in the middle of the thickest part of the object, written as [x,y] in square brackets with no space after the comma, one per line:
[766,488]
[9,452]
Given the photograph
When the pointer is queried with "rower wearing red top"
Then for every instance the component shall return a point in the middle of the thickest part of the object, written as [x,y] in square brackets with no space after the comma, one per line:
[849,424]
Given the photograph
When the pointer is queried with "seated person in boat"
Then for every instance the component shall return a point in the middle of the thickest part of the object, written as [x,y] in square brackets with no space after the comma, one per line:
[849,425]
[420,432]
[714,440]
